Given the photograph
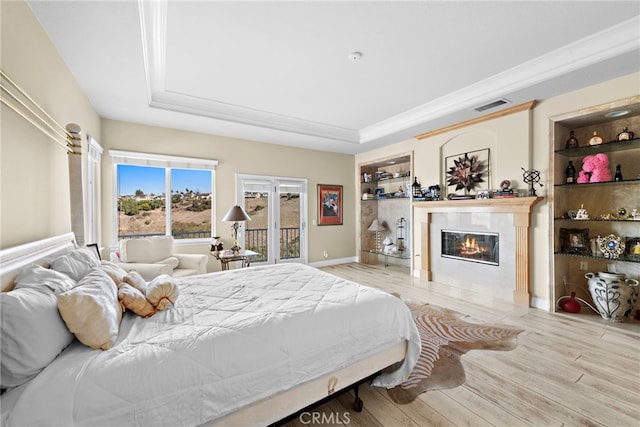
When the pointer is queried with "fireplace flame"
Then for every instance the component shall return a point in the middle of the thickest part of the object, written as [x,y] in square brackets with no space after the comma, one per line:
[470,247]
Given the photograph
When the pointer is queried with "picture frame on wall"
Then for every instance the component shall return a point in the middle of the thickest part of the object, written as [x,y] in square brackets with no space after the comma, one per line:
[467,173]
[330,204]
[575,241]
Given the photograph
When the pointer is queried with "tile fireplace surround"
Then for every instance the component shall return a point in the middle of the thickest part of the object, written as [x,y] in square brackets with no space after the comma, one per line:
[520,209]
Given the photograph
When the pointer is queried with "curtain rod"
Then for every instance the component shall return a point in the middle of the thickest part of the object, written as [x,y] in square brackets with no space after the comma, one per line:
[29,109]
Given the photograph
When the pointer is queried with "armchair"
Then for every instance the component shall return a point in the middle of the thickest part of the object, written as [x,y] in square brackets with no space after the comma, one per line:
[154,256]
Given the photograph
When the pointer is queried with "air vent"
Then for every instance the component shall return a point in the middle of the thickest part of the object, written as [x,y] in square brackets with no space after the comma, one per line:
[493,104]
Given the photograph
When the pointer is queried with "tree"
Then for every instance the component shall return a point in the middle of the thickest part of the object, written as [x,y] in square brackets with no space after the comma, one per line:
[139,193]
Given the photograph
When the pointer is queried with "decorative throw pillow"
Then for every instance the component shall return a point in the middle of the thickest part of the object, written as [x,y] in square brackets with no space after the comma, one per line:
[32,333]
[36,276]
[172,262]
[76,264]
[134,279]
[134,300]
[114,271]
[92,311]
[162,292]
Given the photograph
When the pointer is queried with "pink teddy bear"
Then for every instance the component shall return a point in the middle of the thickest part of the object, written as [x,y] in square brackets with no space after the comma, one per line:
[595,168]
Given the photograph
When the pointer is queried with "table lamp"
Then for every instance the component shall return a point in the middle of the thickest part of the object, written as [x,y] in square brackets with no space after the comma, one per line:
[236,214]
[377,228]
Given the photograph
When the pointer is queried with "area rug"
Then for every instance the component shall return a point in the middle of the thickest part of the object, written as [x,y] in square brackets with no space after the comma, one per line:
[446,336]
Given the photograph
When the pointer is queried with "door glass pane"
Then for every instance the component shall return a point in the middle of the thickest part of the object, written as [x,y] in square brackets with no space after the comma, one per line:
[289,225]
[256,237]
[140,201]
[190,203]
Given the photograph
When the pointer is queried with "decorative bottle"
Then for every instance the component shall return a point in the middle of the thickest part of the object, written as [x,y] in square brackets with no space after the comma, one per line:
[618,175]
[570,173]
[625,135]
[595,139]
[572,142]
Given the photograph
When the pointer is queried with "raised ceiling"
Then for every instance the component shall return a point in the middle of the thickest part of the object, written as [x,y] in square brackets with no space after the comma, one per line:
[280,72]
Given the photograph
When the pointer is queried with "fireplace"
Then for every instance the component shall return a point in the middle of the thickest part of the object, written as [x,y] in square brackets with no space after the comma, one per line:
[472,246]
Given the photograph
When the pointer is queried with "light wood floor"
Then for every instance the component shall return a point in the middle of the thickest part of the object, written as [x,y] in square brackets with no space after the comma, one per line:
[564,372]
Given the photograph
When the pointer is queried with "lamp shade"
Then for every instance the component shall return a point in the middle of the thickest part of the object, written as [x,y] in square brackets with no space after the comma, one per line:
[236,213]
[376,226]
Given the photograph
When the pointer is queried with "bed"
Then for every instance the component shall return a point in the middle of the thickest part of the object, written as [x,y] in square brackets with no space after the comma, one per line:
[240,347]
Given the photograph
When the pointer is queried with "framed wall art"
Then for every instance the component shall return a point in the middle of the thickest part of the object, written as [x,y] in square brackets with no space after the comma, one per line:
[575,241]
[330,204]
[466,173]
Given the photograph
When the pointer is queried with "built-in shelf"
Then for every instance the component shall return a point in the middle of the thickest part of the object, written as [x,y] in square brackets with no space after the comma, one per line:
[399,255]
[589,184]
[595,220]
[606,147]
[386,180]
[622,258]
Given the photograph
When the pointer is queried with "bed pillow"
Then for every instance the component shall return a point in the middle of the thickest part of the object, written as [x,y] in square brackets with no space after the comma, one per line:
[32,333]
[36,276]
[92,311]
[162,292]
[134,300]
[76,264]
[136,280]
[114,271]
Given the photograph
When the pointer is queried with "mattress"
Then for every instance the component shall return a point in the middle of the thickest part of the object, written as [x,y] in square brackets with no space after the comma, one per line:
[232,339]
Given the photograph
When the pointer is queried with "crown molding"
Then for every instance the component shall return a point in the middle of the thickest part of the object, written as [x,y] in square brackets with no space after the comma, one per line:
[606,44]
[153,25]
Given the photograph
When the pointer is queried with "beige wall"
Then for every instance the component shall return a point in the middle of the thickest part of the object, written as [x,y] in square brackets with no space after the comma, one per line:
[518,140]
[240,156]
[34,176]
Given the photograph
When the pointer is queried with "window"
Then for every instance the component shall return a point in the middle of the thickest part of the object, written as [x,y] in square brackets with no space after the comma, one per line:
[163,195]
[93,194]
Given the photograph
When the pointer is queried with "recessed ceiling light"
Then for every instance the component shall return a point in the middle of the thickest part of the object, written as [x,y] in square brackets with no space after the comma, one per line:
[355,56]
[617,113]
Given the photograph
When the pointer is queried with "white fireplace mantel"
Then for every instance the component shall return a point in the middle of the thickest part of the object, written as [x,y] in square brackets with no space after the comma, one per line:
[519,207]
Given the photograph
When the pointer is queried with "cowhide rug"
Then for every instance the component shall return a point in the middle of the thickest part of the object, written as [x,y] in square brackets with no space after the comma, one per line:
[446,336]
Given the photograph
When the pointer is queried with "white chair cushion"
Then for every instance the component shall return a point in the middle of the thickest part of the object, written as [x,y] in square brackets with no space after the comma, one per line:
[147,250]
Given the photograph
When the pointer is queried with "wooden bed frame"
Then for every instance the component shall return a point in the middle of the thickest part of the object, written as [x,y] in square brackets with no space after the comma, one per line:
[272,410]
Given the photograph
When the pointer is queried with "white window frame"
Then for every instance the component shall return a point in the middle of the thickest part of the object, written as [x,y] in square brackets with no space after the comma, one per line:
[94,158]
[119,157]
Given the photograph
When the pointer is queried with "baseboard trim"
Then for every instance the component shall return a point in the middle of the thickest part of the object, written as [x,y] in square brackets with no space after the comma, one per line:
[541,303]
[333,262]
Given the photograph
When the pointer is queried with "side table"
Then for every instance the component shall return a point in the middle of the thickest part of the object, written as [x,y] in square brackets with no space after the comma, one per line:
[244,256]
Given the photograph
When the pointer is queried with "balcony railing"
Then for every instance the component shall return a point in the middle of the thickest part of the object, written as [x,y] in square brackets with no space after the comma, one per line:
[176,235]
[256,239]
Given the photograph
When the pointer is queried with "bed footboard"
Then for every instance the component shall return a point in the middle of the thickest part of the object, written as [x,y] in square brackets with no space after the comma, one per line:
[289,404]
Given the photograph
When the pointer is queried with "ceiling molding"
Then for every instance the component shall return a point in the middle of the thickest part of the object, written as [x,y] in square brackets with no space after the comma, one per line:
[507,111]
[153,25]
[606,44]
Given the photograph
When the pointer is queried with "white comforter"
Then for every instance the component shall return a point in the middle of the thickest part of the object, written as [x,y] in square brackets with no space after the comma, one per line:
[232,339]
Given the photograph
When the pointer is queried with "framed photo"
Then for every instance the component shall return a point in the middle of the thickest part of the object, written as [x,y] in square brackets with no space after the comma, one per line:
[94,246]
[330,204]
[575,241]
[467,173]
[632,245]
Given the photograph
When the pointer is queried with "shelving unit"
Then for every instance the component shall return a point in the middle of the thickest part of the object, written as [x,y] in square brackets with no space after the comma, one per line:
[385,194]
[602,200]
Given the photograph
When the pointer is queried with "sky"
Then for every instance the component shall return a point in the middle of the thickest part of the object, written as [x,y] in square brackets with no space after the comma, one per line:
[151,180]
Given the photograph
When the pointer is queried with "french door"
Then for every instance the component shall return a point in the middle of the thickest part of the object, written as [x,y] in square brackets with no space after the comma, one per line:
[278,211]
